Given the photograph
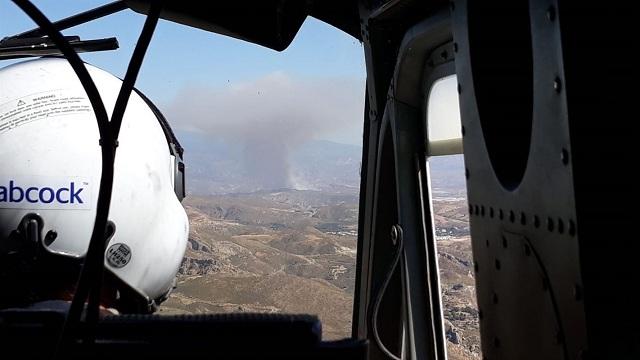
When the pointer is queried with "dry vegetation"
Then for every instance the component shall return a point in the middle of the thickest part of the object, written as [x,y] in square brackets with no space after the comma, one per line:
[295,252]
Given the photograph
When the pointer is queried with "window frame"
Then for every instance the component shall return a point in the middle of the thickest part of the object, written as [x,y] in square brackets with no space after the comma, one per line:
[418,330]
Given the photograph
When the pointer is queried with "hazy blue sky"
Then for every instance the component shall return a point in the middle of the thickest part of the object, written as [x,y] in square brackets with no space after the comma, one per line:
[181,59]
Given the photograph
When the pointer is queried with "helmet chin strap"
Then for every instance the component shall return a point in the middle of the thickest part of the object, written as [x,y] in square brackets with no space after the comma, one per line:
[26,242]
[26,258]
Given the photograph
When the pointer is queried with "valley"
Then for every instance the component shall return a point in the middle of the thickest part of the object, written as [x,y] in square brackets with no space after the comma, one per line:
[294,251]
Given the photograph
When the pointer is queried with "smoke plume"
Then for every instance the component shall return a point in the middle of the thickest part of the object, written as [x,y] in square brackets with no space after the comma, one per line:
[270,117]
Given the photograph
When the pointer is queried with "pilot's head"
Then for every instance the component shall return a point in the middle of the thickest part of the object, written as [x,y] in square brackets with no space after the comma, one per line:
[50,167]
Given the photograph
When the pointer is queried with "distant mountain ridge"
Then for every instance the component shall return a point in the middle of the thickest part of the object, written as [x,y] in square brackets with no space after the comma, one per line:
[215,166]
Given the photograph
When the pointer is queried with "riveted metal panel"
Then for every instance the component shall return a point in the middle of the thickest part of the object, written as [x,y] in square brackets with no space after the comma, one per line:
[520,187]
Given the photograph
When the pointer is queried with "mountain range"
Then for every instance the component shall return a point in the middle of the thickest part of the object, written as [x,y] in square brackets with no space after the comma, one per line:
[215,166]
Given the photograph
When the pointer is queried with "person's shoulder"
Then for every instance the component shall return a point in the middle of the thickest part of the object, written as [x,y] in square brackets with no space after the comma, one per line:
[61,306]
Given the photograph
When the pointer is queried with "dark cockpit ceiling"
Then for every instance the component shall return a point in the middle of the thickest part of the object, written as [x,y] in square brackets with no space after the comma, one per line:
[275,23]
[270,23]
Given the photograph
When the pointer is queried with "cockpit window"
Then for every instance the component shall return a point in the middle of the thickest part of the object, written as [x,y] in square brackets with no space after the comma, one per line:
[273,144]
[272,149]
[443,118]
[451,220]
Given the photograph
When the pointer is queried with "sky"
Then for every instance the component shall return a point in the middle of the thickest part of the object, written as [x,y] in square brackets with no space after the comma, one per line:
[323,67]
[443,122]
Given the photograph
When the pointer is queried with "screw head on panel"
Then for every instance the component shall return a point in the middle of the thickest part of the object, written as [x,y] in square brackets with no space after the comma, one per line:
[551,13]
[557,85]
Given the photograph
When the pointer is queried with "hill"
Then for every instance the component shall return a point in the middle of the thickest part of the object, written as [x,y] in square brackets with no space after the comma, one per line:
[295,251]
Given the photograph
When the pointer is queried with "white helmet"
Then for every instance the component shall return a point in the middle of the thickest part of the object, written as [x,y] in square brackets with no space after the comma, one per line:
[50,165]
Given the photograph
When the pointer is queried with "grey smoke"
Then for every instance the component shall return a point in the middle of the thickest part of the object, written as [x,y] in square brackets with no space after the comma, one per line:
[270,117]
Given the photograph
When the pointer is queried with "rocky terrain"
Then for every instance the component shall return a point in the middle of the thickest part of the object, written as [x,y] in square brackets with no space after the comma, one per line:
[458,287]
[287,251]
[254,249]
[295,251]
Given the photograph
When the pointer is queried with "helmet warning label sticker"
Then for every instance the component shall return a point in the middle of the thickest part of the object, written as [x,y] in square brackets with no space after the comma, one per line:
[118,255]
[46,192]
[40,106]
